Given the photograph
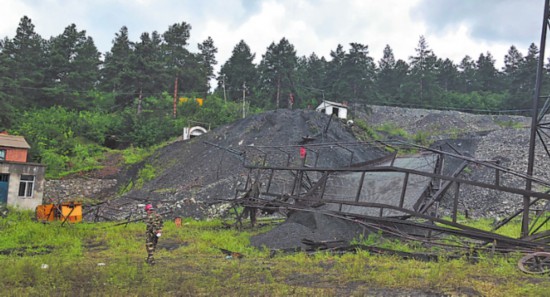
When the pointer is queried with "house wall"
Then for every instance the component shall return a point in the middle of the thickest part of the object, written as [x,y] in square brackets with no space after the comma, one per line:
[15,155]
[15,170]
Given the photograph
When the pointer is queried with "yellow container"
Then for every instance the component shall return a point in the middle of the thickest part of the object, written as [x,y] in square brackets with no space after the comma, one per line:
[71,212]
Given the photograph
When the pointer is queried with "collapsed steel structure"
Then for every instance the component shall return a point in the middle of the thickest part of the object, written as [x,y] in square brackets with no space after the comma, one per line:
[304,185]
[389,195]
[300,184]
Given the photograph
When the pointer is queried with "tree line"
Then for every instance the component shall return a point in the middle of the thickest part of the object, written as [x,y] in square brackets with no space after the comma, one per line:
[134,88]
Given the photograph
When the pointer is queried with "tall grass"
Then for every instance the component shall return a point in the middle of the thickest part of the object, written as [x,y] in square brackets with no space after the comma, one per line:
[106,260]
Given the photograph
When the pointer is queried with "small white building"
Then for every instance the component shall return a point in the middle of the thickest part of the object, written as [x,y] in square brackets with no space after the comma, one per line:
[338,109]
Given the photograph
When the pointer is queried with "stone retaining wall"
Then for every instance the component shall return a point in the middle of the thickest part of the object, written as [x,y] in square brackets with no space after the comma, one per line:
[77,189]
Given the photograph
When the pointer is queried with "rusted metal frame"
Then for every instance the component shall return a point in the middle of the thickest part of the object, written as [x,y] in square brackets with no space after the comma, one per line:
[460,180]
[287,155]
[543,237]
[534,119]
[533,230]
[306,183]
[376,161]
[258,174]
[455,203]
[324,186]
[328,124]
[512,216]
[439,169]
[316,155]
[360,186]
[542,141]
[268,186]
[263,153]
[439,194]
[385,144]
[300,175]
[497,177]
[403,190]
[318,185]
[483,163]
[248,179]
[457,229]
[464,181]
[347,149]
[422,173]
[453,148]
[543,110]
[296,177]
[237,153]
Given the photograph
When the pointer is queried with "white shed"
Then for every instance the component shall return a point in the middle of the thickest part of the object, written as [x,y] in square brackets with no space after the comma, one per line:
[329,108]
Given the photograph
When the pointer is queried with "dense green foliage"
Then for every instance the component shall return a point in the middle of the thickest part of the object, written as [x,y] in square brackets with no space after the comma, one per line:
[103,259]
[71,101]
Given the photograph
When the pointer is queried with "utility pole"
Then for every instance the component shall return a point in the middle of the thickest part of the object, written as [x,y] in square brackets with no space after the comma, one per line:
[223,86]
[278,91]
[244,99]
[175,96]
[140,98]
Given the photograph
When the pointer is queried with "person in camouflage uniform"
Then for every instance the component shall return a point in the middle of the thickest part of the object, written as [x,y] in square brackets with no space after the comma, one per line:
[152,233]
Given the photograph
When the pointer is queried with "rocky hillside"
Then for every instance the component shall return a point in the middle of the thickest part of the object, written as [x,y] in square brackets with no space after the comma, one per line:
[500,138]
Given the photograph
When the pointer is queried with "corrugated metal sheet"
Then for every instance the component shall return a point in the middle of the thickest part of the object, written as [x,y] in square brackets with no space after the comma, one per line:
[13,141]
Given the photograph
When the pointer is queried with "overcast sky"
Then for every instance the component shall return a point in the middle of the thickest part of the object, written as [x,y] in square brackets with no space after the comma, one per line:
[452,28]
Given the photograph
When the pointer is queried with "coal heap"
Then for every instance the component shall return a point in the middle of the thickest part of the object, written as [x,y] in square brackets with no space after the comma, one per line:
[312,226]
[192,175]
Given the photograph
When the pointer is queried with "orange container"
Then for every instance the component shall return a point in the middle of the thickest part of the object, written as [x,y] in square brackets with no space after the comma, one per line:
[45,213]
[66,212]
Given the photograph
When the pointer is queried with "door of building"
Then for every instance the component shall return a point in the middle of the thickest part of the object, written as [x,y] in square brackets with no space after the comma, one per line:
[4,180]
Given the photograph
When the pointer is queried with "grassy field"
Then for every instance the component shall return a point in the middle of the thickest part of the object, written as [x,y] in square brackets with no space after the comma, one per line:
[102,259]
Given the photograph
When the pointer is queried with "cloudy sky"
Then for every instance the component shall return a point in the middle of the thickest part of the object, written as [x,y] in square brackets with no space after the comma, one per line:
[452,28]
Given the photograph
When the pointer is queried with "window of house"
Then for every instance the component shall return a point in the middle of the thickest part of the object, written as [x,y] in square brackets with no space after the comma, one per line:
[26,185]
[2,155]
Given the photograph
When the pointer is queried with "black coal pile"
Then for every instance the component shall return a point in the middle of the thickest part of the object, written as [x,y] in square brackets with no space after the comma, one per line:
[308,226]
[192,176]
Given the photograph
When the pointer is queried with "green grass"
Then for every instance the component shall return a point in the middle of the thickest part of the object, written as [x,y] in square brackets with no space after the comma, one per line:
[102,259]
[510,124]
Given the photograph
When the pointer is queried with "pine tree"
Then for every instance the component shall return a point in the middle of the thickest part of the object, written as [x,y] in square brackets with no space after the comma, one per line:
[424,69]
[73,68]
[238,70]
[277,71]
[117,74]
[25,59]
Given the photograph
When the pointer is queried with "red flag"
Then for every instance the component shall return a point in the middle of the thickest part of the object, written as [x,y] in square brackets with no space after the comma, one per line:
[303,152]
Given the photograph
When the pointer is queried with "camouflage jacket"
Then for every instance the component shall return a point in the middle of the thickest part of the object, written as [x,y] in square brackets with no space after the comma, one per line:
[154,223]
